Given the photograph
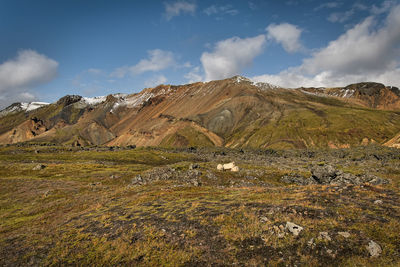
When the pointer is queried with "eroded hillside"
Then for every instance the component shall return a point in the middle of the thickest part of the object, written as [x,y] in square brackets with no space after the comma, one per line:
[235,112]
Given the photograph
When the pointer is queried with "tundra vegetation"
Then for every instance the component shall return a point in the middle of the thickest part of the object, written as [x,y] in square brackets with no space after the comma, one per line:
[62,205]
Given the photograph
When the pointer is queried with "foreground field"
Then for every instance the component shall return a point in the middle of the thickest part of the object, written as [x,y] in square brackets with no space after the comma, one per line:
[102,206]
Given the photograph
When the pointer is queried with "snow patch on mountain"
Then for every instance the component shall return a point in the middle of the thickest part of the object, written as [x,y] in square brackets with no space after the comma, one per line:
[17,107]
[94,100]
[137,100]
[239,79]
[132,101]
[348,92]
[33,105]
[261,85]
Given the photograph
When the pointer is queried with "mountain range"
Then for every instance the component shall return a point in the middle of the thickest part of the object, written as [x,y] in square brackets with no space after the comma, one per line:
[234,112]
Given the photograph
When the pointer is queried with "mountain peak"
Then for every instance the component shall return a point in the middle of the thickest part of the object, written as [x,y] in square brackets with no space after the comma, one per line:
[239,79]
[22,106]
[68,100]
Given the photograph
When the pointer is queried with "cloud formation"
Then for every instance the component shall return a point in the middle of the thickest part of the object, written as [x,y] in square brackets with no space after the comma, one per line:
[218,10]
[366,52]
[327,5]
[21,74]
[230,56]
[194,75]
[385,7]
[288,35]
[176,8]
[344,16]
[156,80]
[157,60]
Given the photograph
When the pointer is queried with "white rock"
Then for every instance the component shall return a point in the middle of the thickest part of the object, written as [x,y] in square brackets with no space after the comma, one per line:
[220,167]
[324,235]
[235,169]
[378,202]
[39,167]
[229,166]
[331,253]
[344,234]
[374,249]
[311,243]
[293,228]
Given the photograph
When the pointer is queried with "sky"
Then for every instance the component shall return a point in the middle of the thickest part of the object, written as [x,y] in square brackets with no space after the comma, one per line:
[51,48]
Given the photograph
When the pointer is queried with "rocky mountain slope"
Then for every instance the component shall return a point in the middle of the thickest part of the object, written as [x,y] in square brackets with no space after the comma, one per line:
[234,112]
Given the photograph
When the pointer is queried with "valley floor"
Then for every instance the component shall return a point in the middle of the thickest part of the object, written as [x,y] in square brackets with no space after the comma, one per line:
[150,206]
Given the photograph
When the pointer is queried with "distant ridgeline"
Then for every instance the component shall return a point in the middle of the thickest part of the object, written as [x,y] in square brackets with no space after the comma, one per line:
[234,113]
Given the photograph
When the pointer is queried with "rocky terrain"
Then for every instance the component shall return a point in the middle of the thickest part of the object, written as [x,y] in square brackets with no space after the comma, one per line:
[222,173]
[108,206]
[235,113]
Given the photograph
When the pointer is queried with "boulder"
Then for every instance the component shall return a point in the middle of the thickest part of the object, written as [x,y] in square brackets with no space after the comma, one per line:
[137,180]
[235,169]
[39,167]
[374,249]
[229,166]
[293,228]
[194,166]
[344,234]
[323,174]
[324,236]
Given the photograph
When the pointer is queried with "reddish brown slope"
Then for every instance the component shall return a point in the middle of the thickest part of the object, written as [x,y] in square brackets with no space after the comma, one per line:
[233,112]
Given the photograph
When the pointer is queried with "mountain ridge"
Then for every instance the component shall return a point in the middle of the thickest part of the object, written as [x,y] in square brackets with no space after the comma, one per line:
[234,112]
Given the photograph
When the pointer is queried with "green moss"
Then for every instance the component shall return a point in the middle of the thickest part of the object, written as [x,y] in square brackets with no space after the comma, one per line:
[187,137]
[320,127]
[73,213]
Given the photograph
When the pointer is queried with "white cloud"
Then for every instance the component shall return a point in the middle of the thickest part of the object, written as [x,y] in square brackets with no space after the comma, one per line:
[28,69]
[252,6]
[220,10]
[176,8]
[211,10]
[385,7]
[230,56]
[157,60]
[344,16]
[288,35]
[19,75]
[28,97]
[94,71]
[360,6]
[365,52]
[194,75]
[327,5]
[156,80]
[341,16]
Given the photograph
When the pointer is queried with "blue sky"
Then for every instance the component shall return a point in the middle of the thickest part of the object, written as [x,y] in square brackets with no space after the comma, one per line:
[53,48]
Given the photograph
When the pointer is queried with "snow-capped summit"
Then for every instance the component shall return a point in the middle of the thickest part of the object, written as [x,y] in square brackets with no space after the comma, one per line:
[22,106]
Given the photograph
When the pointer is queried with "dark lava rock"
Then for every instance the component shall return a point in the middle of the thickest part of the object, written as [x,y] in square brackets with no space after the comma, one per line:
[327,174]
[68,100]
[324,174]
